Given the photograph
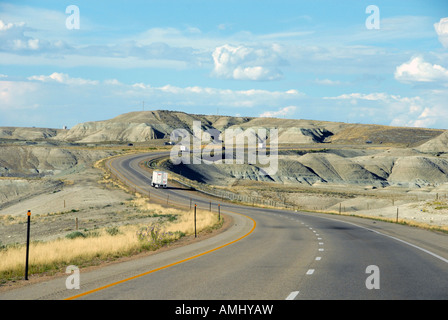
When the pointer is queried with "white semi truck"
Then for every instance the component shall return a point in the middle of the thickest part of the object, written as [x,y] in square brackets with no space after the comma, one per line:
[159,179]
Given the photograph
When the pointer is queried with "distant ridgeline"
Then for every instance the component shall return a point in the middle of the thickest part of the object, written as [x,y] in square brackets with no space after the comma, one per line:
[149,125]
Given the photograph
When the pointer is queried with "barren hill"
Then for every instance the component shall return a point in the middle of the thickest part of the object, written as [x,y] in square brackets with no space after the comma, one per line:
[17,133]
[438,144]
[148,125]
[37,161]
[379,134]
[374,168]
[131,127]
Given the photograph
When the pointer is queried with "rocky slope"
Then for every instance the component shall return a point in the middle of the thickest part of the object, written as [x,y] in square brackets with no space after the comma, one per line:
[33,134]
[159,124]
[439,144]
[373,168]
[36,161]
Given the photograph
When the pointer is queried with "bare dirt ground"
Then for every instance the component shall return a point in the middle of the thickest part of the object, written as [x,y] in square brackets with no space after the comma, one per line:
[81,199]
[421,207]
[81,204]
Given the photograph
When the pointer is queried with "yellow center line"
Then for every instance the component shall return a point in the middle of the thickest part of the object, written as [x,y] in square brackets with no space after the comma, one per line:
[168,265]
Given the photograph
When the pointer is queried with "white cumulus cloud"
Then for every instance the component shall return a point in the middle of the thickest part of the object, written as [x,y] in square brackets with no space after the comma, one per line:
[62,78]
[418,70]
[5,26]
[286,111]
[14,95]
[441,28]
[247,63]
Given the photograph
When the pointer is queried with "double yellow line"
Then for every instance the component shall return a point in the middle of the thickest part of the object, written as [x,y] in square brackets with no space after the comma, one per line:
[166,266]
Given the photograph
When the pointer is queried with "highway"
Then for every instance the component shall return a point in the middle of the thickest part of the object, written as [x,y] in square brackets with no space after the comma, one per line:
[268,254]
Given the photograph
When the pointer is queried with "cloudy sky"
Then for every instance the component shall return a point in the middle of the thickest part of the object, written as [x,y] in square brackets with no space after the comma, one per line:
[66,62]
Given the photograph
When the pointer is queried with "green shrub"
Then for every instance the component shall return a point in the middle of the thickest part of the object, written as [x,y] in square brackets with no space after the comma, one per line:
[75,234]
[113,231]
[152,237]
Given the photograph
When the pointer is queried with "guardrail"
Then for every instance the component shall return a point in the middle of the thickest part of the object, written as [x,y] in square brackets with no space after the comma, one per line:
[216,192]
[225,194]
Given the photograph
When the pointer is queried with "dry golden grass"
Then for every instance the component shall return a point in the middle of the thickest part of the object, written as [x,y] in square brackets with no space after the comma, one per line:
[66,250]
[53,255]
[184,218]
[101,245]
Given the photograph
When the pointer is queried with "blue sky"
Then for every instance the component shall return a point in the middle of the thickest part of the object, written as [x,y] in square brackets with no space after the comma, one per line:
[287,59]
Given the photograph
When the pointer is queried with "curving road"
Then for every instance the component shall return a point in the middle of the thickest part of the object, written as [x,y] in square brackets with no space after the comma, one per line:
[269,254]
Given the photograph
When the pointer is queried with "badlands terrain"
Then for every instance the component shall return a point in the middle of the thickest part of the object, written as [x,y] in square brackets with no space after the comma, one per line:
[366,170]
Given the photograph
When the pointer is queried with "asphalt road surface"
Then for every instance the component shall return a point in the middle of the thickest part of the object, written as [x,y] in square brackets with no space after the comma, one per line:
[268,254]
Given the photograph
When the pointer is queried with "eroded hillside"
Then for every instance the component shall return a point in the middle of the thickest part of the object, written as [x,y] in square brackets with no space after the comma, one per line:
[150,125]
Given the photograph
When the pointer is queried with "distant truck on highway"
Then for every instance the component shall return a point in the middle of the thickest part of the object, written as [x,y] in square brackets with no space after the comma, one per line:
[159,179]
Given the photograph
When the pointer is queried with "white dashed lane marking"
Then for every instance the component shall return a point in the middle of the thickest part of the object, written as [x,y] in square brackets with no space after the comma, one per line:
[294,294]
[310,271]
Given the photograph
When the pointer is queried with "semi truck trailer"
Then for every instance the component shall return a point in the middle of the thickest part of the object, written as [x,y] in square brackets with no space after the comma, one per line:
[159,179]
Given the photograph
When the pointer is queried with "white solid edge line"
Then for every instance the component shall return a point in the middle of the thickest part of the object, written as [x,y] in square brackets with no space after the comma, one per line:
[412,245]
[292,295]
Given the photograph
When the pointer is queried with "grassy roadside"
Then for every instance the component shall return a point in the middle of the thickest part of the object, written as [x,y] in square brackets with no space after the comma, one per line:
[87,248]
[93,247]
